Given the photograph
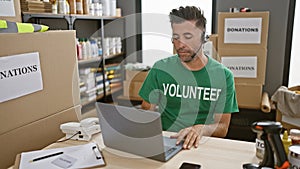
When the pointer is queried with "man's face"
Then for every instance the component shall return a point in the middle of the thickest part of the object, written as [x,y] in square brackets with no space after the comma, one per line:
[186,39]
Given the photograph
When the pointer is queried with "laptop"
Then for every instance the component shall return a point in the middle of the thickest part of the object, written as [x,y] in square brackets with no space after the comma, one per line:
[135,131]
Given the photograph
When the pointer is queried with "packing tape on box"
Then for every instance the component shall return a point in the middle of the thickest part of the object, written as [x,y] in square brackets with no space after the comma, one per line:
[265,103]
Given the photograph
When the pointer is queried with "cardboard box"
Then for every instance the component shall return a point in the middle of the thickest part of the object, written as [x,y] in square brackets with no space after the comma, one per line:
[214,39]
[10,10]
[34,136]
[136,76]
[247,65]
[132,88]
[287,122]
[59,69]
[249,95]
[237,30]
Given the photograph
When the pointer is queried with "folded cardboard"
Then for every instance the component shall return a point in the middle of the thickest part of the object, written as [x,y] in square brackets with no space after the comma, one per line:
[10,10]
[247,65]
[132,88]
[249,95]
[236,30]
[35,135]
[57,55]
[214,39]
[136,76]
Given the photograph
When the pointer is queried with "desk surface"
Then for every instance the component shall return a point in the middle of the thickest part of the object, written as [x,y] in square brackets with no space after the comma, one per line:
[212,153]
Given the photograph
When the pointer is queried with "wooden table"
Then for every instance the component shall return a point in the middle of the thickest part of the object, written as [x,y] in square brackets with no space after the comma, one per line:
[212,153]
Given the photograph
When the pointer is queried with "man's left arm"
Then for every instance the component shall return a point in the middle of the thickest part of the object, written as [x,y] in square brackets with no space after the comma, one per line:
[192,135]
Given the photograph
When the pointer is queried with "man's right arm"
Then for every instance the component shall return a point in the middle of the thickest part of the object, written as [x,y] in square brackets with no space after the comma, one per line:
[147,106]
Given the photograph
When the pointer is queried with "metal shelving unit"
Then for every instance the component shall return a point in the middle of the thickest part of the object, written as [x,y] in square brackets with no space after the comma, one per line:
[70,21]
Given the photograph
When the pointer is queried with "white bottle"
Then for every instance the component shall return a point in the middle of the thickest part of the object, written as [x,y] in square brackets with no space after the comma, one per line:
[84,50]
[79,50]
[88,49]
[95,49]
[105,7]
[113,7]
[92,9]
[62,7]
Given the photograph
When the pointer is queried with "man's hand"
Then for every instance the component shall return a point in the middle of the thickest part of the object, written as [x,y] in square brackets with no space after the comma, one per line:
[191,134]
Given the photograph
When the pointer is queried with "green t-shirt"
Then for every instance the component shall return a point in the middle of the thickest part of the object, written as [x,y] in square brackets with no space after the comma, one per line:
[185,97]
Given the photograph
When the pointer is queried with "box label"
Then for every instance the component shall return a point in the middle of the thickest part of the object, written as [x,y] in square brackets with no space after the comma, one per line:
[241,67]
[7,8]
[242,30]
[20,75]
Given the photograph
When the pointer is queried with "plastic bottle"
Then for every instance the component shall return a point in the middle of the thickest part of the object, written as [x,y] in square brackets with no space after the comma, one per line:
[100,52]
[113,7]
[286,141]
[105,7]
[62,7]
[72,4]
[92,10]
[67,7]
[84,50]
[295,136]
[260,147]
[79,50]
[85,7]
[79,8]
[94,49]
[54,8]
[88,49]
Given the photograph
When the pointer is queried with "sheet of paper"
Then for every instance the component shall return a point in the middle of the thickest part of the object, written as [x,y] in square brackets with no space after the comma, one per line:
[7,8]
[243,30]
[82,156]
[20,75]
[242,67]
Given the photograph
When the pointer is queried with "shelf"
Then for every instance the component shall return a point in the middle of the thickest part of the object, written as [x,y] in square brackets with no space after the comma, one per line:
[76,16]
[114,55]
[84,103]
[115,89]
[100,96]
[93,63]
[86,61]
[91,17]
[70,18]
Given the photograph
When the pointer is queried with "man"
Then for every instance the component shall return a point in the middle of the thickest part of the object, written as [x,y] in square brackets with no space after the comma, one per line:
[194,93]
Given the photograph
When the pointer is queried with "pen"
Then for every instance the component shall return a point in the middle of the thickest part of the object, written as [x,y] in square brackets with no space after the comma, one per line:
[46,156]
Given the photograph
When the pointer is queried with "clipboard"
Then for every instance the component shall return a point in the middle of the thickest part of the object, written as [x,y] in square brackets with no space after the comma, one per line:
[84,156]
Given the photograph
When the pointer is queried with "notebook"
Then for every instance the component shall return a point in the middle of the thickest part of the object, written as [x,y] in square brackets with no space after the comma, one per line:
[135,131]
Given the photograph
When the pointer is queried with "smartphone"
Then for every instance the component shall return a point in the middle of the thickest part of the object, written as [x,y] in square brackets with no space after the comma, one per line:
[186,165]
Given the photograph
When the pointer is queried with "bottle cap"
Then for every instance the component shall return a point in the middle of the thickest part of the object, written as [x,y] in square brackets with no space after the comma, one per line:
[285,135]
[295,132]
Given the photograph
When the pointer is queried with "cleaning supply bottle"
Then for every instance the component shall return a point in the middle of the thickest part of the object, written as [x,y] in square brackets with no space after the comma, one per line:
[295,136]
[286,141]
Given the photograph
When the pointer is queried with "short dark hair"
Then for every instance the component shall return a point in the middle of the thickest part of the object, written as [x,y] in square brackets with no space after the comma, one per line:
[188,13]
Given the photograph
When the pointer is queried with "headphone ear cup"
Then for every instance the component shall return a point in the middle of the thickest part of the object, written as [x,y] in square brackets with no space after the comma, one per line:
[203,37]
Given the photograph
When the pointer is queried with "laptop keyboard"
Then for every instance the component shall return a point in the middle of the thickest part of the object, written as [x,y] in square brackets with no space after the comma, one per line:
[170,150]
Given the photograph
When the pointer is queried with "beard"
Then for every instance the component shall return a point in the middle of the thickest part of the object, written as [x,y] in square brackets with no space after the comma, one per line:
[187,56]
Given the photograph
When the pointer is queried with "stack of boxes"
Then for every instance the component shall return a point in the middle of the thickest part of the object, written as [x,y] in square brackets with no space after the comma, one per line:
[242,47]
[30,119]
[133,83]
